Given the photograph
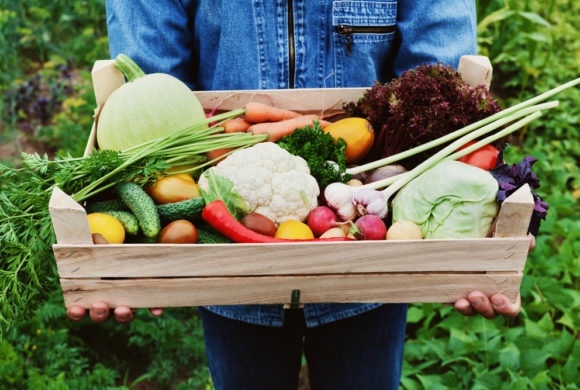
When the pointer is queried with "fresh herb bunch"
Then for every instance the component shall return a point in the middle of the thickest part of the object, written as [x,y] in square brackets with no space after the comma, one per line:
[318,148]
[512,177]
[27,271]
[27,268]
[423,104]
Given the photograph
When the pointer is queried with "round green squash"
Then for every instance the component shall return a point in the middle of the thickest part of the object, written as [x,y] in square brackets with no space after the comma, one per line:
[146,108]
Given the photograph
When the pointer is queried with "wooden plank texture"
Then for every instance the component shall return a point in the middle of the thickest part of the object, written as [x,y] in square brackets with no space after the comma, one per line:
[387,288]
[307,100]
[514,216]
[156,260]
[69,219]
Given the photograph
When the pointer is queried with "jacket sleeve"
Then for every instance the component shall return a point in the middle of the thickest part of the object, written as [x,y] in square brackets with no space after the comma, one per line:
[155,34]
[432,31]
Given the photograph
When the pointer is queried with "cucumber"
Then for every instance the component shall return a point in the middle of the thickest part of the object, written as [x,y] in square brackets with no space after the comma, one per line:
[186,209]
[142,207]
[105,205]
[208,235]
[128,220]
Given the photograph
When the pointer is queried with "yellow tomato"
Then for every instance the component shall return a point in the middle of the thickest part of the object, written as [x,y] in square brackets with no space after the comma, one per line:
[107,226]
[294,230]
[174,188]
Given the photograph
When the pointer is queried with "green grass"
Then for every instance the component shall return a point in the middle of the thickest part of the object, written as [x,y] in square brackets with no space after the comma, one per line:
[46,52]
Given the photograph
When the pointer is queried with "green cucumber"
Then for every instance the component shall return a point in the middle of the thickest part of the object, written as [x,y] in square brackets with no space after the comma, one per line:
[142,207]
[128,220]
[105,205]
[189,209]
[208,235]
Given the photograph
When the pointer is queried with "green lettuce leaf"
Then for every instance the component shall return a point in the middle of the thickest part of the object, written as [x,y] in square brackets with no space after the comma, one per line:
[222,188]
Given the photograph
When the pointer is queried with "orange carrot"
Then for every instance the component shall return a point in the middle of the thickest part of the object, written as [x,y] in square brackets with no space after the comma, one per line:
[259,112]
[213,154]
[277,130]
[236,125]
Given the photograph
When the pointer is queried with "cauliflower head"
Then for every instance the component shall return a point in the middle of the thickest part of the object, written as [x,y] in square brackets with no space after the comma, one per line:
[272,181]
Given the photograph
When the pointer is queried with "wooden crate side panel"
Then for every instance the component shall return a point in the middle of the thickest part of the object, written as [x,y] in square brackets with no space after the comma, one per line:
[306,100]
[156,260]
[386,288]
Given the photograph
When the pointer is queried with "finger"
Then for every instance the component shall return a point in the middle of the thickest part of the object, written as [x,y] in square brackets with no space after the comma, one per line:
[156,311]
[124,314]
[76,313]
[99,311]
[481,304]
[532,241]
[503,306]
[464,307]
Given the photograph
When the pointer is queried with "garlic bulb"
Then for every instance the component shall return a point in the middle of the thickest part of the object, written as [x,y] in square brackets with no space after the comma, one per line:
[339,197]
[369,201]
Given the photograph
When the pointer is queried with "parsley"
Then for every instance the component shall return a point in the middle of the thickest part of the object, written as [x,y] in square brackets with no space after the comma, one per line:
[318,148]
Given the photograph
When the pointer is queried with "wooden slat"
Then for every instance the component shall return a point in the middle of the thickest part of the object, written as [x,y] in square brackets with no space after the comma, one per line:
[475,70]
[156,260]
[514,216]
[387,288]
[304,100]
[106,79]
[69,219]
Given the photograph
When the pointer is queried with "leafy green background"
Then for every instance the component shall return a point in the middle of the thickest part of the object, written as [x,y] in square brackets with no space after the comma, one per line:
[46,104]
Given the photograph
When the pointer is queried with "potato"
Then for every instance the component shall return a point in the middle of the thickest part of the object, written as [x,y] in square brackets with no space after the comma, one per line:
[404,230]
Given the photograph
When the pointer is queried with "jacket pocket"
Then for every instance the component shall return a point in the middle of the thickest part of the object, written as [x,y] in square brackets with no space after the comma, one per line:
[363,34]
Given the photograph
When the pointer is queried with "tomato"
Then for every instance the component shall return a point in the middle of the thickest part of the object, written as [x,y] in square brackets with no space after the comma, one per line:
[178,232]
[174,188]
[484,157]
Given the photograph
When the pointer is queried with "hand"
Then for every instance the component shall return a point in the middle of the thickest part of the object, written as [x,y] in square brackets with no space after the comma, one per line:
[100,312]
[498,304]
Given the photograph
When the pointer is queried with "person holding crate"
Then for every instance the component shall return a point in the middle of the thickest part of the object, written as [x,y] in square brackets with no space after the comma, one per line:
[296,44]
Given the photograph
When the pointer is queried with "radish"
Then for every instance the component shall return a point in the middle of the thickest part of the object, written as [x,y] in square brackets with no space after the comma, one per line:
[371,227]
[321,219]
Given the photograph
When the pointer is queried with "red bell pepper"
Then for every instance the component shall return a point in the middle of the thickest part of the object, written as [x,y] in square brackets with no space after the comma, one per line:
[218,216]
[484,157]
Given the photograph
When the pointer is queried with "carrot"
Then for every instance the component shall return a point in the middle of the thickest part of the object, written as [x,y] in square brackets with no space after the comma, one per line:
[236,125]
[216,153]
[277,130]
[260,112]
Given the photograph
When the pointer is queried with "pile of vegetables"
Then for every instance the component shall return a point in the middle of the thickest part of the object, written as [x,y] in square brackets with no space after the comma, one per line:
[262,174]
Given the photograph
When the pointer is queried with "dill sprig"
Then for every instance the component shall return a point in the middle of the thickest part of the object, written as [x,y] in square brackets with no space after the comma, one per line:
[27,268]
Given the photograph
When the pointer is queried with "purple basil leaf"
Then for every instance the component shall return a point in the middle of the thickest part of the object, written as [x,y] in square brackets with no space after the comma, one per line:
[512,177]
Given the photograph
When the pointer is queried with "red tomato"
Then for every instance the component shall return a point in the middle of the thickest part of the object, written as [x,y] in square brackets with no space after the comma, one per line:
[484,157]
[178,232]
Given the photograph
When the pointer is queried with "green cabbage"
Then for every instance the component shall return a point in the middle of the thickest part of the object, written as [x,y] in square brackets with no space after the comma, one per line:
[450,200]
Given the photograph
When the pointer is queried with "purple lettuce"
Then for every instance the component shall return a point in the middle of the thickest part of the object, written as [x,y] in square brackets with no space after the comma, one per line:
[512,177]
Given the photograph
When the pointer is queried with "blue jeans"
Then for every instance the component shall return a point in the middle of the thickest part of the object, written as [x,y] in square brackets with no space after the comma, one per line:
[361,352]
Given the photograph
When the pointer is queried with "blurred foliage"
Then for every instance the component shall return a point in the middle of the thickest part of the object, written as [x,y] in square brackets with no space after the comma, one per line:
[46,52]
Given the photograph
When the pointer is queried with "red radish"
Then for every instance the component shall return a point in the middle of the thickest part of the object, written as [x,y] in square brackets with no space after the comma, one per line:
[372,227]
[321,219]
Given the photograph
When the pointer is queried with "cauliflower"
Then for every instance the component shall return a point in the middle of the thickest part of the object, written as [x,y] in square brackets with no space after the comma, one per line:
[272,181]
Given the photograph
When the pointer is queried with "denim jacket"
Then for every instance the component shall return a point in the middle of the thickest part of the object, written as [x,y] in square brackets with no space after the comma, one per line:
[277,44]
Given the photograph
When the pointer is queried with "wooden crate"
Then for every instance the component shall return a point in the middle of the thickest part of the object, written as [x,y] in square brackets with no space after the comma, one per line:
[165,275]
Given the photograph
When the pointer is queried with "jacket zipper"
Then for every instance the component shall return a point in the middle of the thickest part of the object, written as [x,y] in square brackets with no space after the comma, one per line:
[291,54]
[347,31]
